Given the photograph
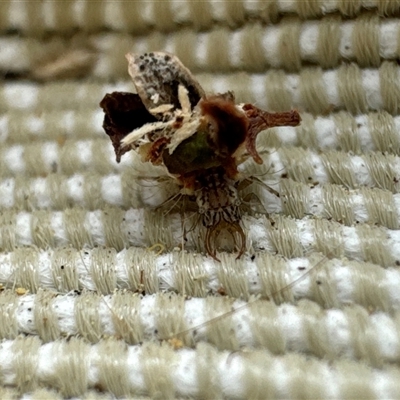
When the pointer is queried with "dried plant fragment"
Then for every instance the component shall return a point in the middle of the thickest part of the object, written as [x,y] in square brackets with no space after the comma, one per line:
[124,112]
[157,77]
[260,120]
[199,139]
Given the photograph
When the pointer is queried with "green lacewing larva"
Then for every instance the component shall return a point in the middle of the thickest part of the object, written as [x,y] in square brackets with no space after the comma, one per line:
[200,139]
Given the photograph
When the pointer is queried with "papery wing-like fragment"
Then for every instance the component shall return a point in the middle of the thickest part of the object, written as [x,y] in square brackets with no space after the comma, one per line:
[124,112]
[157,77]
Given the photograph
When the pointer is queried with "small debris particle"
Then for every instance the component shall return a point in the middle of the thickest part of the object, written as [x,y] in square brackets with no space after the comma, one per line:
[175,343]
[20,291]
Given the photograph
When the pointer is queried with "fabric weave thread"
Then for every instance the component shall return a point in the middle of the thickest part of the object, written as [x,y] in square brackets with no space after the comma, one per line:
[97,298]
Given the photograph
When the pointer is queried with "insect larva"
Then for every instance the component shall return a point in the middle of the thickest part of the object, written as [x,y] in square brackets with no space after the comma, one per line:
[200,139]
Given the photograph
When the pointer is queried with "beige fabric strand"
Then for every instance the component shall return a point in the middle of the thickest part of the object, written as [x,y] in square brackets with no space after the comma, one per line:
[150,360]
[363,40]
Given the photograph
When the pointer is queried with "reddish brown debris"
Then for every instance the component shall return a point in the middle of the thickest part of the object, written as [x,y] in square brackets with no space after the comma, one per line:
[260,120]
[155,153]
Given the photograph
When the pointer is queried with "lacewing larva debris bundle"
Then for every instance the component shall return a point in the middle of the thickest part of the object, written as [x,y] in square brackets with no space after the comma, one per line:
[200,139]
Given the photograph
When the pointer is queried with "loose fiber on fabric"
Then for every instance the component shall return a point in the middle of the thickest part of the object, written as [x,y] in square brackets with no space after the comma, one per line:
[106,290]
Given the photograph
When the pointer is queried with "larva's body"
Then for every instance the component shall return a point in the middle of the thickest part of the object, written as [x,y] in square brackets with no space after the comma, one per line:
[199,139]
[218,199]
[219,204]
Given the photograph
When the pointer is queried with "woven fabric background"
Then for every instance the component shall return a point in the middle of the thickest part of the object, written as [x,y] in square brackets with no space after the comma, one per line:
[97,299]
